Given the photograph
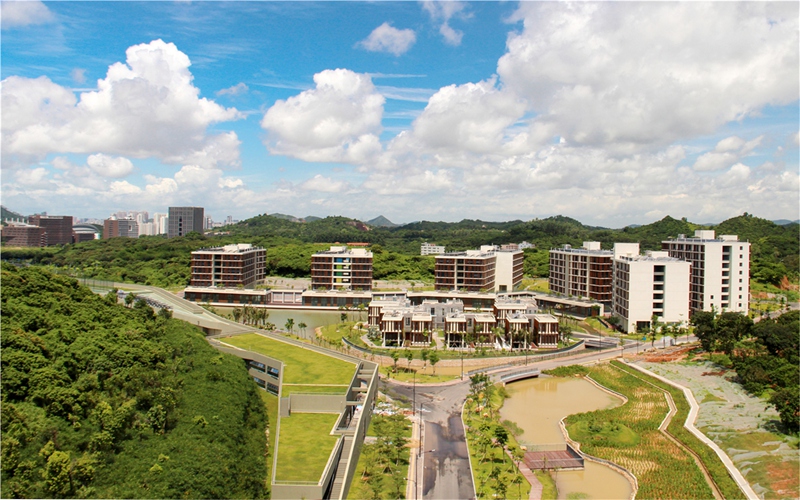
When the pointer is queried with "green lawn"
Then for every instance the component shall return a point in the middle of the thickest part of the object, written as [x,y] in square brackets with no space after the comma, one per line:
[287,389]
[404,375]
[305,446]
[303,366]
[271,407]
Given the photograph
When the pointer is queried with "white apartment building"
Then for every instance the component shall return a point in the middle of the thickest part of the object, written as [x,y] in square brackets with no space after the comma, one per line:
[431,249]
[647,285]
[720,270]
[582,272]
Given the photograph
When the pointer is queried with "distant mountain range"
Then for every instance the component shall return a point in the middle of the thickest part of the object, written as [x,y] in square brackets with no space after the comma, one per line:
[381,221]
[6,214]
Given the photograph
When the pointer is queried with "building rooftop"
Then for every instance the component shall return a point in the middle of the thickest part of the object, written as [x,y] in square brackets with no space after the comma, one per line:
[233,248]
[705,236]
[343,250]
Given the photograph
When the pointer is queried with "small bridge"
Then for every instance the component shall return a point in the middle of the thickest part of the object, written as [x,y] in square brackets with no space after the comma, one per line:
[519,375]
[559,456]
[605,343]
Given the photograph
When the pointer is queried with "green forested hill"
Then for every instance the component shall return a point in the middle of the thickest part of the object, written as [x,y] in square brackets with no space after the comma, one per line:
[162,262]
[103,401]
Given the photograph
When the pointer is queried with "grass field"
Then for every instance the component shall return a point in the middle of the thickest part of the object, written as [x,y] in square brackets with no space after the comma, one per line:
[405,375]
[287,389]
[628,435]
[271,405]
[304,446]
[360,489]
[303,366]
[490,464]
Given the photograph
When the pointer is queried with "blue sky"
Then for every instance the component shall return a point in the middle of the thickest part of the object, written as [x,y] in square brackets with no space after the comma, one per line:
[612,113]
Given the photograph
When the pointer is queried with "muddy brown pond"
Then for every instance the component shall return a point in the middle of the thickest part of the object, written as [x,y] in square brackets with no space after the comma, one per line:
[537,405]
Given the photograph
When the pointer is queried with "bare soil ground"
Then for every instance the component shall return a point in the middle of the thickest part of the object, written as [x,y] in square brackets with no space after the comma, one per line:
[742,425]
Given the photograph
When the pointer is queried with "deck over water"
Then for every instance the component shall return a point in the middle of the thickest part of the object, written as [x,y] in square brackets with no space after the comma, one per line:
[560,459]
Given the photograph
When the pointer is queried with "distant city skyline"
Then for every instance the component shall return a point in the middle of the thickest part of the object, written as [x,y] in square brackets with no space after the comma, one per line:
[613,113]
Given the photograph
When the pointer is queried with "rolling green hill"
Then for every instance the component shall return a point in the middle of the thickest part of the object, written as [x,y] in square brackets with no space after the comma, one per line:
[162,262]
[104,401]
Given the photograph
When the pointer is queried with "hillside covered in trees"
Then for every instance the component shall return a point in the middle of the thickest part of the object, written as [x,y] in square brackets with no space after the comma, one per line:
[104,401]
[290,243]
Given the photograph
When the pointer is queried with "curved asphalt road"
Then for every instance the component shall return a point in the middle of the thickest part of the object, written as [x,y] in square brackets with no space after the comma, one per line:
[445,471]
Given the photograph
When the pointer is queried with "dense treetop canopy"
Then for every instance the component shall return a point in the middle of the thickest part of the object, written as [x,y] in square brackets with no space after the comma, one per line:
[100,400]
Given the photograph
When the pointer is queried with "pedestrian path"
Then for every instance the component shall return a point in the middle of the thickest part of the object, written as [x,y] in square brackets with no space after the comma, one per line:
[536,486]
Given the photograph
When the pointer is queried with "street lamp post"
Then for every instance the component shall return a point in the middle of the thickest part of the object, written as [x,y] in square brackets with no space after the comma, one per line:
[414,394]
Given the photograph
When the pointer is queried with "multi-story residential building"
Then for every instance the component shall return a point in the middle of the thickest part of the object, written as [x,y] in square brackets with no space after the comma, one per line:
[431,249]
[720,270]
[120,228]
[342,268]
[582,272]
[228,266]
[508,269]
[487,269]
[184,220]
[653,284]
[58,228]
[19,234]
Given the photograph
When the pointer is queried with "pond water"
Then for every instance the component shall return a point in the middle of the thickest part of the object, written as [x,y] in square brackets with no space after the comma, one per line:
[537,405]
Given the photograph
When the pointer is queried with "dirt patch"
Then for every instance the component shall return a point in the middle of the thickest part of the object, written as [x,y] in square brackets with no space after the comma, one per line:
[783,477]
[669,355]
[717,373]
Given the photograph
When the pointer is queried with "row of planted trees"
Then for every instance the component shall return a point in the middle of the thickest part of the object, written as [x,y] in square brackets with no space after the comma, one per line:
[258,317]
[496,456]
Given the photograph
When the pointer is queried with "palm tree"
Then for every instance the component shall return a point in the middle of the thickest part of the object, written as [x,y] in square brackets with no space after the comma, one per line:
[237,314]
[289,325]
[302,326]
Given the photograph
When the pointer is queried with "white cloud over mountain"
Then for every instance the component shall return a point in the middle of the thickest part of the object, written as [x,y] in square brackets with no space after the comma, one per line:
[598,110]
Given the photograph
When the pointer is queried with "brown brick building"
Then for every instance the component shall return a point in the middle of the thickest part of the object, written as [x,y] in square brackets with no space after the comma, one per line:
[58,228]
[228,266]
[582,272]
[23,235]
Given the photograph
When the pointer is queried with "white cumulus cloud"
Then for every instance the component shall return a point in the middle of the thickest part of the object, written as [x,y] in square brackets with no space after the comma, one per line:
[338,120]
[387,38]
[107,166]
[147,107]
[634,75]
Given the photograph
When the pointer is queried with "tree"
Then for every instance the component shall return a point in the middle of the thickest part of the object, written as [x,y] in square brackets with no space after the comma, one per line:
[302,326]
[732,327]
[425,353]
[409,354]
[654,327]
[289,325]
[395,356]
[705,329]
[129,298]
[787,402]
[501,437]
[433,358]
